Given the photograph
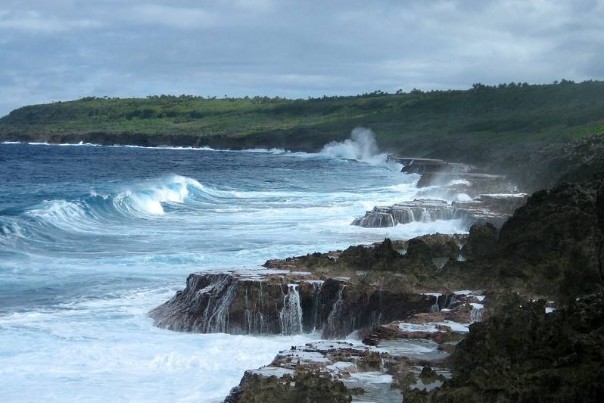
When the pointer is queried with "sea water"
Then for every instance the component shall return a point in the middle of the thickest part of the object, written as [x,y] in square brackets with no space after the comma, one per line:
[92,238]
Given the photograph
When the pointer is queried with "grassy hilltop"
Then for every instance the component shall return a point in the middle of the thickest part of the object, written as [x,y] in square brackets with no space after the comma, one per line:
[419,121]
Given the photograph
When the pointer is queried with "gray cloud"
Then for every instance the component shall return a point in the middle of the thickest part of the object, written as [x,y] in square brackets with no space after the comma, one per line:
[66,49]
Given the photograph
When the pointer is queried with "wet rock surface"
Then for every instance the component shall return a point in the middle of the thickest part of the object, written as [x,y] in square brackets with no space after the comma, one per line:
[482,241]
[451,192]
[397,296]
[553,246]
[272,384]
[493,209]
[426,165]
[284,303]
[341,372]
[522,354]
[405,355]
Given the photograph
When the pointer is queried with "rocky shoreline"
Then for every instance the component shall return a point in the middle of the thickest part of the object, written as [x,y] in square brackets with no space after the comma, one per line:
[435,318]
[449,191]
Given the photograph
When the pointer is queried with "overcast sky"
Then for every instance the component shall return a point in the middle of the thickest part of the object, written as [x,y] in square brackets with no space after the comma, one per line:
[64,49]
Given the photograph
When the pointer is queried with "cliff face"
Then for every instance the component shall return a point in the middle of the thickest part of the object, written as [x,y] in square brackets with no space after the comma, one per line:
[280,304]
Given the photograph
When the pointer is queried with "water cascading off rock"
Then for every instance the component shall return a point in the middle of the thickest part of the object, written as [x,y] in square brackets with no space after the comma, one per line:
[228,303]
[290,316]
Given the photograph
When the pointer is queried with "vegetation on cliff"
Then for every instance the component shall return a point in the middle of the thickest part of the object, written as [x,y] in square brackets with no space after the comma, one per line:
[422,122]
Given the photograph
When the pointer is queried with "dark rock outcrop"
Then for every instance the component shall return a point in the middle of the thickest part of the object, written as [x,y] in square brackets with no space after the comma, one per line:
[289,387]
[559,235]
[320,372]
[420,165]
[482,241]
[553,246]
[523,354]
[493,209]
[284,304]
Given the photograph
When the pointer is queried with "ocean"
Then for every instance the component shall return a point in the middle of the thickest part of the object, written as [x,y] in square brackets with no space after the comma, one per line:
[93,237]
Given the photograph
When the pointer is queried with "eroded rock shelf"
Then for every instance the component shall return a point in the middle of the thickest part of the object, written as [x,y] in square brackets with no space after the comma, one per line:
[426,316]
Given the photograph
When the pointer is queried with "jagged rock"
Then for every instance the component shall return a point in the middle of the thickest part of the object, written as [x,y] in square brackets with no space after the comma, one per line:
[523,354]
[434,326]
[294,387]
[482,241]
[428,376]
[317,372]
[238,304]
[494,209]
[441,245]
[551,247]
[424,210]
[378,257]
[558,235]
[418,249]
[491,209]
[420,165]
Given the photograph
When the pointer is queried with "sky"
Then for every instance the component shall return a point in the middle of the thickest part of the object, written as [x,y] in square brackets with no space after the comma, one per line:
[57,50]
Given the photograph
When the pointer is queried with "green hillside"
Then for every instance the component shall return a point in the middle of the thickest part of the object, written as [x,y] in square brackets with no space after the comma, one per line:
[416,121]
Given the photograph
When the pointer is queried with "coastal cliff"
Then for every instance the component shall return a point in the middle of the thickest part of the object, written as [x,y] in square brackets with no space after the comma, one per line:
[538,135]
[398,296]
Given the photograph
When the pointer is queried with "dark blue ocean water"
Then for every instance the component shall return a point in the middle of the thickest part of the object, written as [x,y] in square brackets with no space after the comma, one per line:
[92,238]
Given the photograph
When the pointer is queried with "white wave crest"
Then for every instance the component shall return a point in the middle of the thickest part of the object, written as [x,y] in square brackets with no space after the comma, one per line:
[149,201]
[68,215]
[87,214]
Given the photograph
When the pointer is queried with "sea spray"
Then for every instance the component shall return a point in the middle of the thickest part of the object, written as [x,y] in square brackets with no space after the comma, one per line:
[362,146]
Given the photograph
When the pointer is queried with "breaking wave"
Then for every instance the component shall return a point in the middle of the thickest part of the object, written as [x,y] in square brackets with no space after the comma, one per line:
[90,212]
[362,147]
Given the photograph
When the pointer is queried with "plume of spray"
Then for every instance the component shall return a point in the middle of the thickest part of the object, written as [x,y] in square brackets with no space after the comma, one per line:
[361,146]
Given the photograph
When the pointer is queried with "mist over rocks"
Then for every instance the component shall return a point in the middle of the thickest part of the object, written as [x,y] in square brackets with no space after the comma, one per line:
[362,146]
[399,293]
